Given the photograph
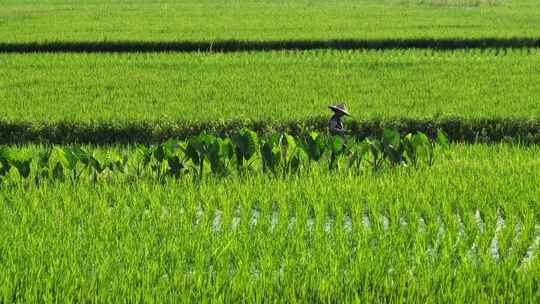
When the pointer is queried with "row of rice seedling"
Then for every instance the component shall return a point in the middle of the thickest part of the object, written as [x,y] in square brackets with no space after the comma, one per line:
[278,154]
[399,235]
[98,21]
[120,89]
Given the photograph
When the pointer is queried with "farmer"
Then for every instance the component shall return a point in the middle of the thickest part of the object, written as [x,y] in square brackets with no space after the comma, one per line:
[335,125]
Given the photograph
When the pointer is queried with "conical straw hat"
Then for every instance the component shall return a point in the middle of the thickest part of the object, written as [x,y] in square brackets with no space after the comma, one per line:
[340,108]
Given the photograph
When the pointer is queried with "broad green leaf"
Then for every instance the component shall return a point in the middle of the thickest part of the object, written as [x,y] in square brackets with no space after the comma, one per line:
[23,167]
[176,166]
[314,146]
[336,144]
[8,154]
[390,138]
[245,143]
[144,154]
[288,146]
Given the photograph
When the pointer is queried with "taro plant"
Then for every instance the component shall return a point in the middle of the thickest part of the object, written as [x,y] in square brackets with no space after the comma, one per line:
[314,146]
[215,150]
[271,153]
[22,164]
[358,154]
[245,147]
[63,163]
[392,149]
[196,149]
[169,158]
[440,144]
[219,154]
[89,162]
[116,162]
[280,153]
[42,164]
[338,147]
[10,158]
[418,146]
[144,156]
[415,147]
[291,154]
[377,156]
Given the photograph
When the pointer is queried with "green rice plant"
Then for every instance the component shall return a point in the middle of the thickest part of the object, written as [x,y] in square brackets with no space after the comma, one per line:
[401,88]
[189,21]
[279,239]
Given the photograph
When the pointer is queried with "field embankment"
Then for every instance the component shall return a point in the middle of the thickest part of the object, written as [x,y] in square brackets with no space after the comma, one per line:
[457,130]
[226,46]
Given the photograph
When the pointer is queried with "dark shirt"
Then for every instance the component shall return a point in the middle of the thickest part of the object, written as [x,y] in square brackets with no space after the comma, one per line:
[335,125]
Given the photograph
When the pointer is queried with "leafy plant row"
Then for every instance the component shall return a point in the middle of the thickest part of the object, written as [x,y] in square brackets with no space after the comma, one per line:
[278,154]
[524,131]
[238,45]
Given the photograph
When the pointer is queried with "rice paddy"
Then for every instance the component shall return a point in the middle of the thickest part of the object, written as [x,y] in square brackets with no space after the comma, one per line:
[469,234]
[103,217]
[98,21]
[278,86]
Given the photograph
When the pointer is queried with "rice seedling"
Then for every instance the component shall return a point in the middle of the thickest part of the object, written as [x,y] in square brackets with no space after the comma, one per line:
[428,235]
[99,21]
[155,91]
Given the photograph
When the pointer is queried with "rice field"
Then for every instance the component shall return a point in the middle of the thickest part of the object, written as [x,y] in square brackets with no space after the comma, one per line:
[263,86]
[470,234]
[222,216]
[101,21]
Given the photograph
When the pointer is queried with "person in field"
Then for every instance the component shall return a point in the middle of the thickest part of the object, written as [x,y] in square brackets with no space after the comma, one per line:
[335,125]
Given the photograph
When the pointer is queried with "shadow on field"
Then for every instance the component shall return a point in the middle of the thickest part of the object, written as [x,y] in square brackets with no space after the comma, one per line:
[489,130]
[239,46]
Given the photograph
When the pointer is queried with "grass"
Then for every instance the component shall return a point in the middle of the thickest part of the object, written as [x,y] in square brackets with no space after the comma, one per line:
[420,235]
[279,86]
[98,21]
